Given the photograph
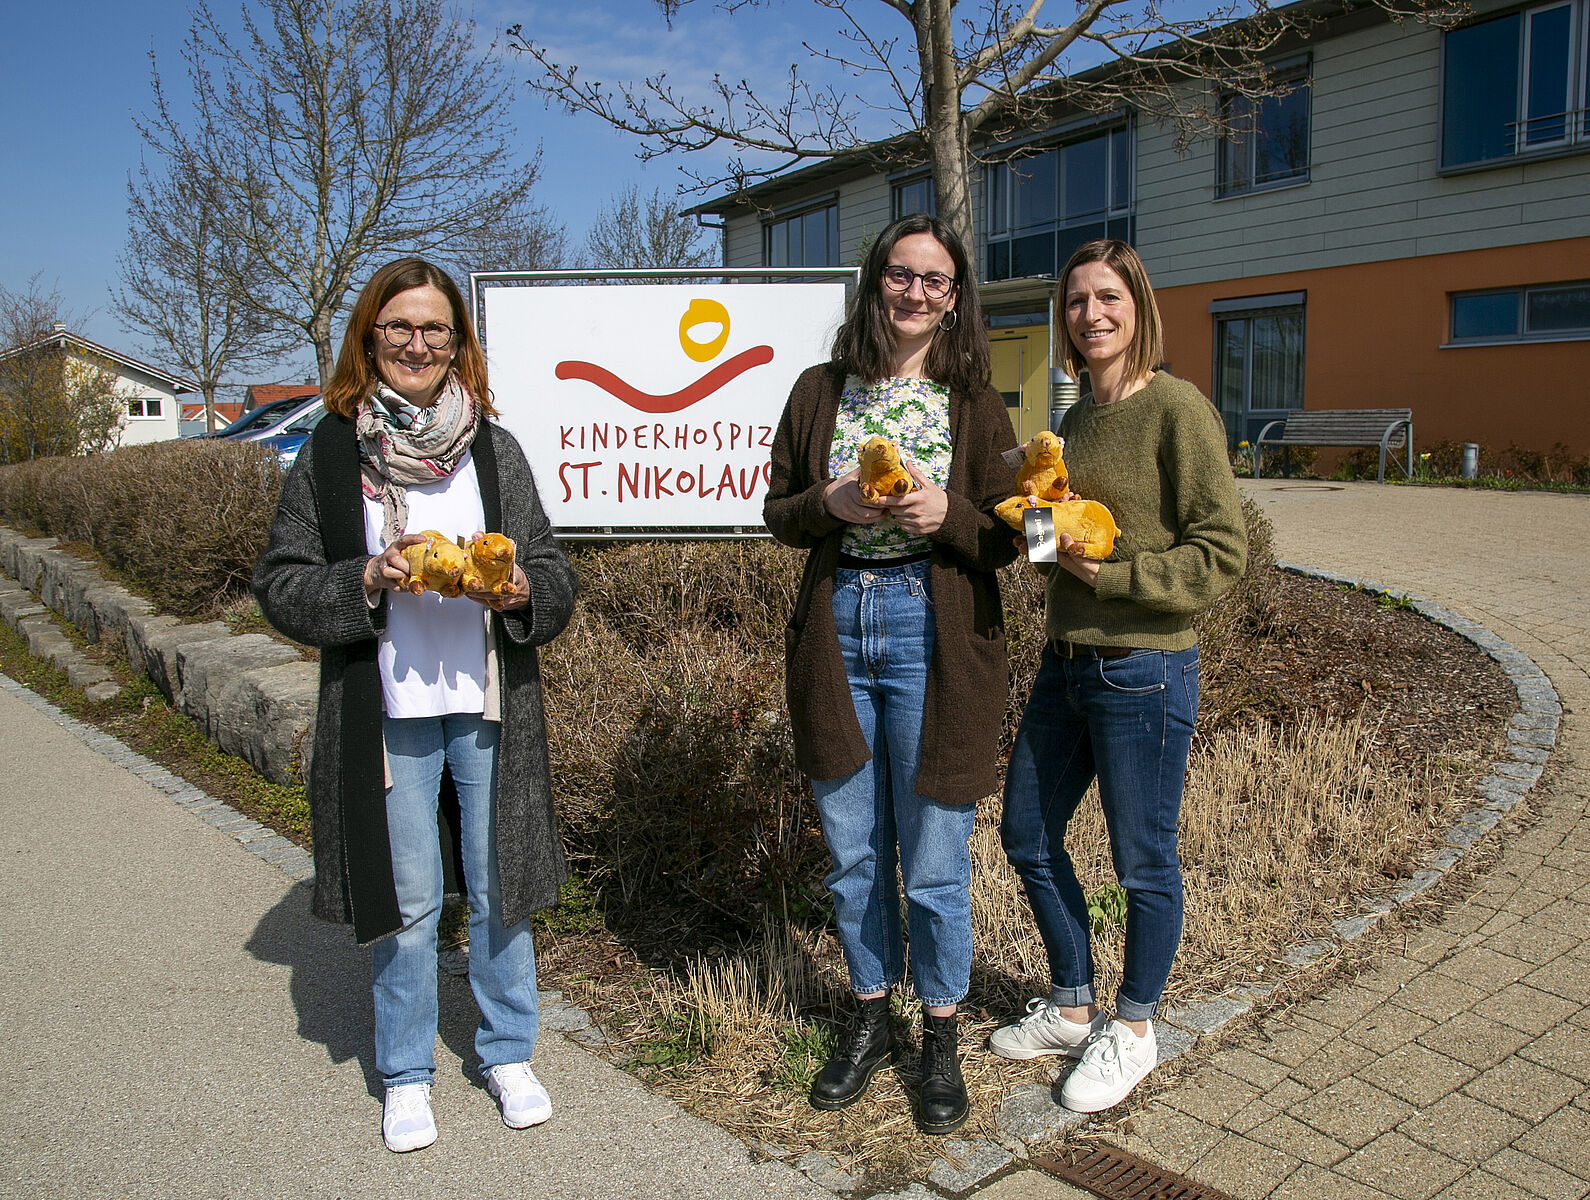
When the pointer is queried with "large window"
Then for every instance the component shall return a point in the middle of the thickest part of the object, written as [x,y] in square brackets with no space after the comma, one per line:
[803,239]
[914,195]
[1258,361]
[1544,313]
[1269,144]
[1516,84]
[1043,206]
[144,406]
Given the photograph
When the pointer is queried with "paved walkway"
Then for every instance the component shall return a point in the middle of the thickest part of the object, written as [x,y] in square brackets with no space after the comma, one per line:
[176,1023]
[1457,1066]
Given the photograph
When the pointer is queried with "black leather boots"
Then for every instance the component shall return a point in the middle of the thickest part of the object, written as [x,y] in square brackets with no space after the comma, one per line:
[944,1104]
[868,1043]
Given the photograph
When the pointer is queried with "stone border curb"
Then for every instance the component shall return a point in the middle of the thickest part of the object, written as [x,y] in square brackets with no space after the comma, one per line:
[1029,1113]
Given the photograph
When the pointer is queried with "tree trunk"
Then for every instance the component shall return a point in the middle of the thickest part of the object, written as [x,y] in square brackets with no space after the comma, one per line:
[320,334]
[948,151]
[208,388]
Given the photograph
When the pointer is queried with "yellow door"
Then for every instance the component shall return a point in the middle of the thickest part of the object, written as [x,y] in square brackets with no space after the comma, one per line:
[1020,360]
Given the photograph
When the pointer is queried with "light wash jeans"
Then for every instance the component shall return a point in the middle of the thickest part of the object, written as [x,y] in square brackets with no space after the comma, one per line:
[1130,721]
[502,965]
[873,819]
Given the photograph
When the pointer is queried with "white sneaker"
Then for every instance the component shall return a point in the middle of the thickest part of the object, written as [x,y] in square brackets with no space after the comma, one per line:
[406,1121]
[1043,1031]
[1113,1062]
[524,1101]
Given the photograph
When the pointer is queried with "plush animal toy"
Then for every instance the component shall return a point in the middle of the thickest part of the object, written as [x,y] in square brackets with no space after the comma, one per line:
[488,564]
[1044,473]
[881,471]
[435,565]
[1087,521]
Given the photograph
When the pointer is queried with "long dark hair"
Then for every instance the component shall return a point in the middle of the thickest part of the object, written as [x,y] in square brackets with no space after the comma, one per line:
[354,376]
[864,345]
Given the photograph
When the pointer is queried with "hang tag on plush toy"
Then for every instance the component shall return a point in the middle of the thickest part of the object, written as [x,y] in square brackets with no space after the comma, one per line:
[1015,456]
[1038,525]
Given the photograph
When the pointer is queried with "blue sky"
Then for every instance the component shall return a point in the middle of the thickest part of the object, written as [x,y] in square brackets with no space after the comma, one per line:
[73,73]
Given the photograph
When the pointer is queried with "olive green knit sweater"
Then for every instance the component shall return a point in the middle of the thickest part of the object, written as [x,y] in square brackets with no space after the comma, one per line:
[1157,460]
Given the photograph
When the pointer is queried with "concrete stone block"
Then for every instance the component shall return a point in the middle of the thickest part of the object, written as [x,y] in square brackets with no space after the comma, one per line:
[18,605]
[964,1164]
[152,644]
[82,673]
[108,606]
[25,560]
[264,714]
[1033,1114]
[99,692]
[204,669]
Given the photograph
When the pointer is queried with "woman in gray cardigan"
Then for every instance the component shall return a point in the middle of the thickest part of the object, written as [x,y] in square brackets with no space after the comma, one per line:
[421,691]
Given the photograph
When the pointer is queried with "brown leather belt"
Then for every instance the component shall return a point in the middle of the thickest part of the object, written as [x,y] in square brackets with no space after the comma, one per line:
[1072,650]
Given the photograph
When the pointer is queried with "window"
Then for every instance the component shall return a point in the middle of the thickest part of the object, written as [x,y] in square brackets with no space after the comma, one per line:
[144,406]
[1258,361]
[1043,206]
[1270,143]
[1545,313]
[804,239]
[913,196]
[1516,84]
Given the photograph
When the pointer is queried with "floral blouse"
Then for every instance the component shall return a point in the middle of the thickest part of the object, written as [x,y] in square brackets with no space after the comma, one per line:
[915,415]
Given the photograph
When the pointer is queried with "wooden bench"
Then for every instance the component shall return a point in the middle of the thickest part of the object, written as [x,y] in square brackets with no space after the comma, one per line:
[1388,428]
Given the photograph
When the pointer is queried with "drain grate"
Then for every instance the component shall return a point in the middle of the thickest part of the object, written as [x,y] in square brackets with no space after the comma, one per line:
[1117,1175]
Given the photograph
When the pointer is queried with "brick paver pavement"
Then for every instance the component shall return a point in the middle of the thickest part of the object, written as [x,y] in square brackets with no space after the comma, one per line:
[1457,1065]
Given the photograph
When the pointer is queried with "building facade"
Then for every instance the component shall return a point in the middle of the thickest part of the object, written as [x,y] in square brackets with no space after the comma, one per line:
[1407,227]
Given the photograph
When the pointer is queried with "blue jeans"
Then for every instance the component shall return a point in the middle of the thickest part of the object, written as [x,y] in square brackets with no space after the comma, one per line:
[873,819]
[502,965]
[1129,721]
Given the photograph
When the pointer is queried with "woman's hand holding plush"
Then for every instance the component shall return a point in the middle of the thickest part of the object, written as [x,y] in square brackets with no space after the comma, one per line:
[389,570]
[842,498]
[922,511]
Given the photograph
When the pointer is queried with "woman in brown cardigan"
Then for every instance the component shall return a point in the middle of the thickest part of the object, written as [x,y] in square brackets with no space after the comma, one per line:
[895,654]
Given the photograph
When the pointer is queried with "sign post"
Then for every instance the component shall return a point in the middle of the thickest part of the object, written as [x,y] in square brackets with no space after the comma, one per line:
[649,410]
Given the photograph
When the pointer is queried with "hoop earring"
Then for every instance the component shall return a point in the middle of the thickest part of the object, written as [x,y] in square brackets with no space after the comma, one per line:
[950,320]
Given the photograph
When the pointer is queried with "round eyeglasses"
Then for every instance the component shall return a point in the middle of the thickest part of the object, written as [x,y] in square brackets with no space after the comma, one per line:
[401,333]
[935,284]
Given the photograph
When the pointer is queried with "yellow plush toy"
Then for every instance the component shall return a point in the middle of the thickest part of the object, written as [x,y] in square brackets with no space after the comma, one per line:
[1087,521]
[488,564]
[1042,482]
[881,471]
[435,565]
[1043,474]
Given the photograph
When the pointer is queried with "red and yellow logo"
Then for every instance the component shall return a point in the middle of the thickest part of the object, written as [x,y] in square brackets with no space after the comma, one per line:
[700,313]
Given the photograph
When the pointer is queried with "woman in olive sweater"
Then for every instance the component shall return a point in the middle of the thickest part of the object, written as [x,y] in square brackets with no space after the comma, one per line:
[1117,689]
[895,654]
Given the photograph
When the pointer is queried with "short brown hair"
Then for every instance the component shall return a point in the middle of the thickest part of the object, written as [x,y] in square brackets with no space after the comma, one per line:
[355,377]
[1148,342]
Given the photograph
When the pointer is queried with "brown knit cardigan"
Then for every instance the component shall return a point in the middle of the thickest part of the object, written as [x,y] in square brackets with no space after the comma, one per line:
[968,679]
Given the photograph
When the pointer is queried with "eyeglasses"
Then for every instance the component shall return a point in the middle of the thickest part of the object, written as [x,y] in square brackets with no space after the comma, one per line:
[935,284]
[401,333]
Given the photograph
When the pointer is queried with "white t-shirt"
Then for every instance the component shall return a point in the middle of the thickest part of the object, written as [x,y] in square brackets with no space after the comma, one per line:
[432,655]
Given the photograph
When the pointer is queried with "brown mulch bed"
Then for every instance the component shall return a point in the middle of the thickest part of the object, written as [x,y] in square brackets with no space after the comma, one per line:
[1335,651]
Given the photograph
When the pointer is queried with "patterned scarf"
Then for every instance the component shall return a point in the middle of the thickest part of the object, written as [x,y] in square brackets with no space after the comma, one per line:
[399,447]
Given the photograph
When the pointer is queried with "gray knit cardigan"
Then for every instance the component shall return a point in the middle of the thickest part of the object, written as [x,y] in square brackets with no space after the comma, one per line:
[309,583]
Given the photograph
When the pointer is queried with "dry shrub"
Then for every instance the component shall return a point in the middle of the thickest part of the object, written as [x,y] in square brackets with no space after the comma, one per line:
[183,521]
[671,746]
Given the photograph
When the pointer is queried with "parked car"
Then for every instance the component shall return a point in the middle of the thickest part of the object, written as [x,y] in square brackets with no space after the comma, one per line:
[294,434]
[278,425]
[256,419]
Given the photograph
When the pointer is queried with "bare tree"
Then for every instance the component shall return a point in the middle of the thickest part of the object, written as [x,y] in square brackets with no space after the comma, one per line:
[54,398]
[946,87]
[183,285]
[651,232]
[340,133]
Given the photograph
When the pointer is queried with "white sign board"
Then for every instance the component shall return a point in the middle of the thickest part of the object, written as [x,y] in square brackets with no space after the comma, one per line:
[652,406]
